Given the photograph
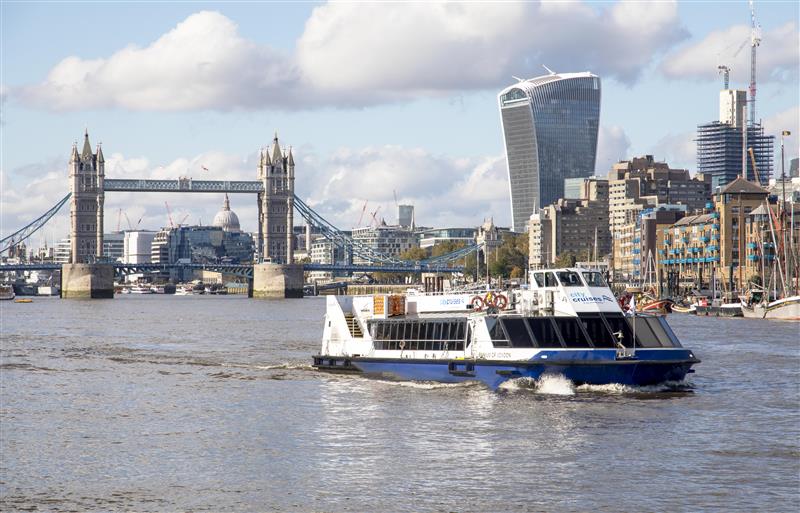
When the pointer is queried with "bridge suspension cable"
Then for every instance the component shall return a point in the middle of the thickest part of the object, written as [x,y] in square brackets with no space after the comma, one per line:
[32,227]
[336,236]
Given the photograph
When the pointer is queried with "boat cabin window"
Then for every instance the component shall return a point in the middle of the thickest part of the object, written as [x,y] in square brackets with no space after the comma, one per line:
[419,335]
[544,332]
[496,333]
[569,279]
[620,326]
[539,278]
[517,332]
[603,334]
[651,332]
[571,332]
[594,279]
[550,280]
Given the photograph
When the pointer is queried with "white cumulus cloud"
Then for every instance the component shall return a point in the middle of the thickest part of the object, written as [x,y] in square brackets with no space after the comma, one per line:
[778,56]
[612,146]
[356,54]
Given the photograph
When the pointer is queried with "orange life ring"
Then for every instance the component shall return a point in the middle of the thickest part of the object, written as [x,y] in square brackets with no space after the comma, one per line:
[500,301]
[477,303]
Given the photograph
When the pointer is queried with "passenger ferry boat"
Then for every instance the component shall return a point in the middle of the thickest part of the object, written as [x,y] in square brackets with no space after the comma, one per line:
[567,323]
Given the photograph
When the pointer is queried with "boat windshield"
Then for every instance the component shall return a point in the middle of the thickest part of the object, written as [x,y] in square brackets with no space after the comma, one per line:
[594,279]
[569,279]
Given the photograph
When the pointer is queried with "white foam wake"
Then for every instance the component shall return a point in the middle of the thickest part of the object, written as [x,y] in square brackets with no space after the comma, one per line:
[547,384]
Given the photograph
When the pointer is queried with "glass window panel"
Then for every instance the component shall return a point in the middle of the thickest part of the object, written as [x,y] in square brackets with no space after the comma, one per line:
[618,324]
[539,277]
[550,280]
[594,279]
[544,332]
[569,279]
[598,332]
[571,332]
[517,332]
[644,335]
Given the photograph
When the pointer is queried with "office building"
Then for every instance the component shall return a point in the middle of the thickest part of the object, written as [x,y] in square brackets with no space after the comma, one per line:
[431,237]
[324,251]
[550,126]
[719,144]
[114,246]
[137,246]
[387,240]
[405,216]
[593,187]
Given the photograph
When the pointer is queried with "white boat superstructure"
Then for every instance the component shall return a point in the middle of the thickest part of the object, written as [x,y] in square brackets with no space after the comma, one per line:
[568,321]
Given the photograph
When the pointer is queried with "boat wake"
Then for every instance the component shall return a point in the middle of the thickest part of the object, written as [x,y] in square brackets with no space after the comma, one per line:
[556,384]
[429,385]
[549,384]
[618,388]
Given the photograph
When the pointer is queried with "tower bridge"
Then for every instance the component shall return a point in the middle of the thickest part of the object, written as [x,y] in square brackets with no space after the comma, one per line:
[274,275]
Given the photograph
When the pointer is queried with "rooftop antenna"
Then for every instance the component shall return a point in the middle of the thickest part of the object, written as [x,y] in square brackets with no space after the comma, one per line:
[549,70]
[755,40]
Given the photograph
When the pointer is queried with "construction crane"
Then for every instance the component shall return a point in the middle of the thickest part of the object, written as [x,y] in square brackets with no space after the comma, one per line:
[183,220]
[169,215]
[129,221]
[374,216]
[361,217]
[755,40]
[726,72]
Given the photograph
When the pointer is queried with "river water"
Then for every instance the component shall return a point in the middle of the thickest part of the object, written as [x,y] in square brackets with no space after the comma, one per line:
[163,403]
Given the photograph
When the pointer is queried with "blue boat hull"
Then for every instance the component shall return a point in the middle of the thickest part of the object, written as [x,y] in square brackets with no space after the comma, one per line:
[648,367]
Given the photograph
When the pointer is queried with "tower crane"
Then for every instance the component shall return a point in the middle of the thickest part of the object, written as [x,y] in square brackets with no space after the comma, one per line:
[374,216]
[755,41]
[169,215]
[361,217]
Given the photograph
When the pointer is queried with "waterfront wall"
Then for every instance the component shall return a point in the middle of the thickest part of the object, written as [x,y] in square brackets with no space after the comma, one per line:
[87,281]
[277,281]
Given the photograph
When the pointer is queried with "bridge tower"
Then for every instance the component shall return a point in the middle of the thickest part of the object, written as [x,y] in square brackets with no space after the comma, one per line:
[276,205]
[86,173]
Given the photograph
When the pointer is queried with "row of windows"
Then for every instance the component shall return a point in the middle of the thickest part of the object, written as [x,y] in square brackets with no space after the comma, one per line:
[586,331]
[423,335]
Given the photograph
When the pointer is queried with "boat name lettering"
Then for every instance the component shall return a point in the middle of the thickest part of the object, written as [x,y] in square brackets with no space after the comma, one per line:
[582,297]
[452,301]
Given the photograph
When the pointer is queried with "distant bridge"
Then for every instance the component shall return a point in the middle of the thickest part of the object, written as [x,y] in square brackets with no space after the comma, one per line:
[376,261]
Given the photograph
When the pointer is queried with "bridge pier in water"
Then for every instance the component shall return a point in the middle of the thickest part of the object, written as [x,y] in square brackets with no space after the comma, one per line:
[87,281]
[277,281]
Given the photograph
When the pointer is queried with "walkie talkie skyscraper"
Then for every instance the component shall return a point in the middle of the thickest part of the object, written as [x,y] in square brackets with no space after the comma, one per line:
[550,128]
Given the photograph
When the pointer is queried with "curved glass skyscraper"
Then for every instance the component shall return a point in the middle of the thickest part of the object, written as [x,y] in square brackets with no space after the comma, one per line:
[550,132]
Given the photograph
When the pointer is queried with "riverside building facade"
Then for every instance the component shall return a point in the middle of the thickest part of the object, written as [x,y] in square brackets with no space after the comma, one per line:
[641,183]
[550,126]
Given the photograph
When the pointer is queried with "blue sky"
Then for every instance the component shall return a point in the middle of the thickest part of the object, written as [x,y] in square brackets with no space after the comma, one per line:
[374,98]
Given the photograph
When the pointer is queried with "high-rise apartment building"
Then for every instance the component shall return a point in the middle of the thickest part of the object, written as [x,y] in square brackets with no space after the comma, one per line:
[719,144]
[550,126]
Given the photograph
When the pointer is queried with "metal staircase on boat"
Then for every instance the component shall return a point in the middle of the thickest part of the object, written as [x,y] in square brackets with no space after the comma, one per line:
[353,326]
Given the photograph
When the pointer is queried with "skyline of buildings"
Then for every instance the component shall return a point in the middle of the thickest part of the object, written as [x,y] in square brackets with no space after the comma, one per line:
[550,126]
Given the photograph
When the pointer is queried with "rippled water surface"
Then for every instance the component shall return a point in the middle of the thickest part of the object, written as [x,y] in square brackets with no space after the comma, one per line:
[160,403]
